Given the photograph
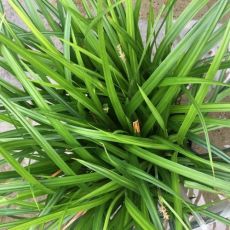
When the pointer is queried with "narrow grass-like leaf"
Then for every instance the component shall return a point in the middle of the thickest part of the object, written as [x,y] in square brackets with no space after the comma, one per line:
[21,171]
[137,215]
[108,78]
[204,89]
[154,111]
[38,137]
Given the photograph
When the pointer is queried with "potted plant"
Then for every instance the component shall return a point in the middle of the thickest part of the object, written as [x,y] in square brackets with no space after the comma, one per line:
[104,121]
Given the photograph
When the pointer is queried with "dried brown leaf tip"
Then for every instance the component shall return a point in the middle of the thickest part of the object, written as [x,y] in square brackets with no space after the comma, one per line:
[121,53]
[56,173]
[76,217]
[164,212]
[136,127]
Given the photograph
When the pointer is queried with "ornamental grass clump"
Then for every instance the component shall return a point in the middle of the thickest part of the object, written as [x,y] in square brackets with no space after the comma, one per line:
[104,120]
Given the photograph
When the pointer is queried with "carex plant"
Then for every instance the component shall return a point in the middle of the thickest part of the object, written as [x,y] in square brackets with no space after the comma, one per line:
[103,119]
